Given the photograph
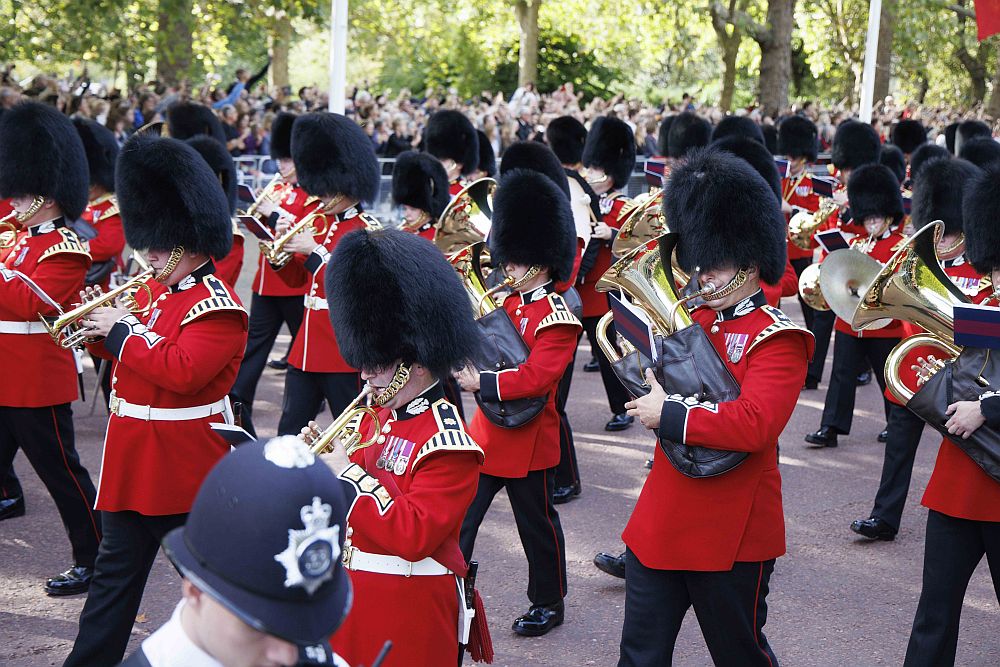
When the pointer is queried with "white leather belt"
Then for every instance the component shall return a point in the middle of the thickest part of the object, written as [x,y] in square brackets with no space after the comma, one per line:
[23,328]
[123,408]
[316,303]
[355,559]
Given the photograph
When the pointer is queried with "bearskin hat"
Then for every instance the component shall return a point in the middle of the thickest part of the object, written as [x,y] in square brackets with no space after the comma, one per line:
[333,155]
[937,193]
[566,137]
[741,126]
[726,214]
[893,158]
[487,158]
[756,155]
[102,150]
[798,137]
[611,147]
[980,151]
[377,316]
[663,135]
[533,224]
[968,130]
[168,196]
[221,162]
[189,119]
[687,132]
[924,155]
[450,136]
[419,180]
[908,135]
[980,221]
[873,189]
[770,133]
[854,144]
[42,154]
[536,157]
[949,136]
[281,136]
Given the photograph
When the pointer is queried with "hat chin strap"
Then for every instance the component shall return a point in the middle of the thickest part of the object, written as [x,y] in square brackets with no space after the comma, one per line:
[398,381]
[36,206]
[175,257]
[737,282]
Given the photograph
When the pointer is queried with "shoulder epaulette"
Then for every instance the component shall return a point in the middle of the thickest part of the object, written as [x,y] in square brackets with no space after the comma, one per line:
[364,484]
[779,324]
[371,222]
[560,314]
[451,436]
[110,212]
[70,243]
[221,299]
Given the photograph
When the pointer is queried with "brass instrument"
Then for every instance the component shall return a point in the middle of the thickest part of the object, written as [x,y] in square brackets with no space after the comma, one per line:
[274,252]
[468,263]
[804,224]
[810,290]
[8,231]
[644,222]
[467,218]
[273,187]
[344,428]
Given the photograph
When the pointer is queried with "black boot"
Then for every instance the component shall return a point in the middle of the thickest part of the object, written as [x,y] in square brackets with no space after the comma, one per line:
[539,620]
[73,581]
[874,528]
[11,507]
[824,437]
[564,494]
[613,565]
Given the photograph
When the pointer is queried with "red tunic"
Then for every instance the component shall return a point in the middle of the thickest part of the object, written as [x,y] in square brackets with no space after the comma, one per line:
[185,353]
[595,303]
[266,282]
[102,214]
[883,250]
[707,524]
[798,191]
[413,510]
[550,331]
[40,373]
[455,187]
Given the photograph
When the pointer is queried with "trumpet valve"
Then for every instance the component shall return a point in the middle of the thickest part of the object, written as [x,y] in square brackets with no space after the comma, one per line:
[310,434]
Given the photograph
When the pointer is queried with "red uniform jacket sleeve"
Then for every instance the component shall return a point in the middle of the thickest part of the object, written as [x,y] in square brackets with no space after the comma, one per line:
[110,239]
[60,276]
[545,364]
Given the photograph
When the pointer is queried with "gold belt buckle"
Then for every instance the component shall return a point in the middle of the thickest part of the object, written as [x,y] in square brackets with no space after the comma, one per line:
[347,555]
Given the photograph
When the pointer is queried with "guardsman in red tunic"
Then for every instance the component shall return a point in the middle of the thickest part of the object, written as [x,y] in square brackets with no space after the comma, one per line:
[452,139]
[937,195]
[964,501]
[335,162]
[487,159]
[409,490]
[798,141]
[533,240]
[420,188]
[908,135]
[711,542]
[43,170]
[174,360]
[609,156]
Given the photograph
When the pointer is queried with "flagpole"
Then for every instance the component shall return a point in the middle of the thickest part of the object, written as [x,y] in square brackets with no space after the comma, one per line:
[871,57]
[338,56]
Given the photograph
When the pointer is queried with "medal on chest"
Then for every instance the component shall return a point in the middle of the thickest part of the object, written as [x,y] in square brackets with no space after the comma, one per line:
[21,255]
[153,316]
[735,344]
[803,190]
[969,286]
[395,455]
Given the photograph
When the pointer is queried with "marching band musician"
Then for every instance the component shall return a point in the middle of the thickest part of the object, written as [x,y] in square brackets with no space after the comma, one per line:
[711,542]
[335,162]
[567,136]
[533,239]
[451,138]
[487,159]
[908,135]
[43,170]
[175,356]
[420,187]
[408,492]
[963,523]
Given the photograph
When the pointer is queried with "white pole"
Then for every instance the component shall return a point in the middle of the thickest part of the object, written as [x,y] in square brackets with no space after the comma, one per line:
[871,56]
[338,55]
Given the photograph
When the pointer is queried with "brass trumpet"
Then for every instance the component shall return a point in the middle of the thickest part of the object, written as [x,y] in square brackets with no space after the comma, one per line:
[273,188]
[804,224]
[274,252]
[346,428]
[467,218]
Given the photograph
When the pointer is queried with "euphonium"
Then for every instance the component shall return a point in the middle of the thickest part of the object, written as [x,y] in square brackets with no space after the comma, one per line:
[804,224]
[468,263]
[274,252]
[467,218]
[644,222]
[810,290]
[346,428]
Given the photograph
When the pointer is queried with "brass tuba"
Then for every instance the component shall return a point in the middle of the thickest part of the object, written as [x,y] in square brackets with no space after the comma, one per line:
[810,290]
[346,428]
[804,224]
[467,218]
[644,222]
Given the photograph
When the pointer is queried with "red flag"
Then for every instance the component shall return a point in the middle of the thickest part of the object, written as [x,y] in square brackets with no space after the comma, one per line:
[987,18]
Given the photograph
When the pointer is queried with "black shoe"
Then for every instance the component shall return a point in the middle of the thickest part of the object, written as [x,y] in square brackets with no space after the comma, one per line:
[811,384]
[864,378]
[824,437]
[73,581]
[619,422]
[884,436]
[874,528]
[11,507]
[278,364]
[539,620]
[564,494]
[591,366]
[613,565]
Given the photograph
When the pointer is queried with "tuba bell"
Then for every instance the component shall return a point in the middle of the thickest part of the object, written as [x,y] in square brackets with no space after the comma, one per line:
[810,290]
[644,222]
[804,224]
[467,218]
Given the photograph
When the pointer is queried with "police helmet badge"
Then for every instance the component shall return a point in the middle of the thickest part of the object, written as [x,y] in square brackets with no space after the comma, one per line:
[311,553]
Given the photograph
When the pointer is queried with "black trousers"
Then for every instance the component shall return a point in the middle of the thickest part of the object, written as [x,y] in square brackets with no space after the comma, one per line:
[731,608]
[45,435]
[822,328]
[304,392]
[537,525]
[267,314]
[808,313]
[849,355]
[128,550]
[952,552]
[567,472]
[905,429]
[617,396]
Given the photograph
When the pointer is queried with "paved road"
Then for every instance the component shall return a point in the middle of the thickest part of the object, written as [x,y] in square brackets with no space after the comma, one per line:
[835,599]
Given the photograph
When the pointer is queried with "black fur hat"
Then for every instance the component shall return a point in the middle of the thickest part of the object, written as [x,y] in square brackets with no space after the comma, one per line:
[893,158]
[950,131]
[281,135]
[937,193]
[924,155]
[798,137]
[536,157]
[611,147]
[42,154]
[663,135]
[168,197]
[333,155]
[450,136]
[873,189]
[419,180]
[741,126]
[566,137]
[908,135]
[756,155]
[770,133]
[726,214]
[102,150]
[221,162]
[980,221]
[687,132]
[377,316]
[533,224]
[487,158]
[854,144]
[980,151]
[189,119]
[968,130]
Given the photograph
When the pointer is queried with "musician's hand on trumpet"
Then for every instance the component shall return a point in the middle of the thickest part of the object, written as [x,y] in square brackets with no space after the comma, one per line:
[303,242]
[336,459]
[99,321]
[964,418]
[647,408]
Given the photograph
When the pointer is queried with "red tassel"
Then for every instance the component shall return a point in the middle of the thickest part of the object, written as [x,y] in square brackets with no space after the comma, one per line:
[480,642]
